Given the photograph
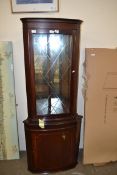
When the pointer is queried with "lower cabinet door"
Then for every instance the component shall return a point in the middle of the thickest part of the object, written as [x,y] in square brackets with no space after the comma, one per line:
[52,150]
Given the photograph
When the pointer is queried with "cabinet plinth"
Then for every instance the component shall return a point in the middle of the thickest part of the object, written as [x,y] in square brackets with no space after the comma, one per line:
[52,129]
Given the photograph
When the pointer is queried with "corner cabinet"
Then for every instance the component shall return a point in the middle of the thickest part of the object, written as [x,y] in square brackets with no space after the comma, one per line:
[52,129]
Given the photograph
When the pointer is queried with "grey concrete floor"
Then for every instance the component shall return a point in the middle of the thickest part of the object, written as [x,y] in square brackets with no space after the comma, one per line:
[19,167]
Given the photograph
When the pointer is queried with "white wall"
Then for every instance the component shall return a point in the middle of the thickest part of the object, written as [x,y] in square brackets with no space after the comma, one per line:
[99,29]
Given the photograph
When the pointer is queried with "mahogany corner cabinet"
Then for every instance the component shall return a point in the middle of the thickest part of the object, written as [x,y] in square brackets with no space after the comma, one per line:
[52,129]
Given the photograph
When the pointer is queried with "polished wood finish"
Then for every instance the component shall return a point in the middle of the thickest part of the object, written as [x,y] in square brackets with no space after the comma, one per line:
[54,147]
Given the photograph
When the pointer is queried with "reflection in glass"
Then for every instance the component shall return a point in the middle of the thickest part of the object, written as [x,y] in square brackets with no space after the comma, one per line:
[52,62]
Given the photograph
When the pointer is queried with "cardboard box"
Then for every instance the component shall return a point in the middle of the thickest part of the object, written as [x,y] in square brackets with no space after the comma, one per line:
[100,134]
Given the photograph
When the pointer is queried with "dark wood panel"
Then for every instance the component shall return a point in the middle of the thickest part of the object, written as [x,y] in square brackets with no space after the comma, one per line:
[50,150]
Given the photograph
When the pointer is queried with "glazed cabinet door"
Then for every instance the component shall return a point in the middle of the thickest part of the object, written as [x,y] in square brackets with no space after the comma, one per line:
[52,71]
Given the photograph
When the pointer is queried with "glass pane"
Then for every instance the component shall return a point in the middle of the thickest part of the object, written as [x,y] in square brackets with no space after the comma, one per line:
[52,63]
